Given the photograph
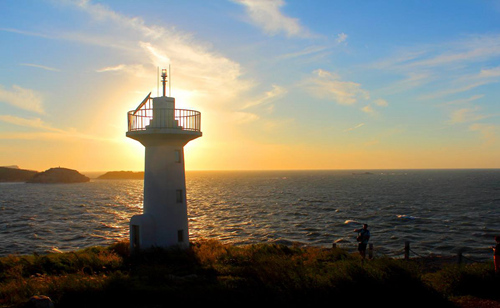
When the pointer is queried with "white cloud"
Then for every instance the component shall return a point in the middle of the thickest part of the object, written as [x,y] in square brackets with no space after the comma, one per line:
[327,85]
[22,98]
[266,14]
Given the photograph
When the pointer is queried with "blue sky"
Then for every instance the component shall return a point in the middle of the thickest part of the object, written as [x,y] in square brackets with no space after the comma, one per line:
[280,84]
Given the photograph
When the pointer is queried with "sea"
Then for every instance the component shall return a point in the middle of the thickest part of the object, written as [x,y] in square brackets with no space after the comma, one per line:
[438,212]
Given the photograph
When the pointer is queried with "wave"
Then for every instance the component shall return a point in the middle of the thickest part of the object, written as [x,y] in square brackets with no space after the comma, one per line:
[406,217]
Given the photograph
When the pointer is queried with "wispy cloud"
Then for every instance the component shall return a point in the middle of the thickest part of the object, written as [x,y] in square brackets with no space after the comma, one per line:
[33,122]
[267,15]
[20,97]
[368,109]
[372,107]
[448,69]
[381,102]
[471,49]
[240,117]
[136,70]
[29,33]
[196,67]
[472,114]
[490,73]
[42,130]
[309,50]
[267,97]
[101,12]
[488,132]
[355,127]
[328,85]
[464,100]
[116,68]
[47,68]
[452,66]
[341,37]
[465,115]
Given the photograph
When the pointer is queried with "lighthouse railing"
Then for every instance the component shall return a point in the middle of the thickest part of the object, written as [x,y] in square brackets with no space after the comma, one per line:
[184,119]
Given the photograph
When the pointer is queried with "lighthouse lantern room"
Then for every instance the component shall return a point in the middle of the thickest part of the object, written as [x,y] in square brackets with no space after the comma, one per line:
[164,131]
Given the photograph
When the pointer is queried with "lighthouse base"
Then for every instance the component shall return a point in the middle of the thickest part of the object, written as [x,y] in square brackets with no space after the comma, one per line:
[145,233]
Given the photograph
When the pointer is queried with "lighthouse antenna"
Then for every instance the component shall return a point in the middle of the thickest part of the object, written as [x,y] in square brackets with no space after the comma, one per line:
[169,82]
[164,80]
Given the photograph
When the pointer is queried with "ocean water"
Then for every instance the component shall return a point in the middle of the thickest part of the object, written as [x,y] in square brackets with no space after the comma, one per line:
[438,211]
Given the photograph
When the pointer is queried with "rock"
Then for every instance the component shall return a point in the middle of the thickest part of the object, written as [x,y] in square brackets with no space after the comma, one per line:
[59,175]
[39,301]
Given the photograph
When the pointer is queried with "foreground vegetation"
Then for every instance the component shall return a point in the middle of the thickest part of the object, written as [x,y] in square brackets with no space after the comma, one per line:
[262,274]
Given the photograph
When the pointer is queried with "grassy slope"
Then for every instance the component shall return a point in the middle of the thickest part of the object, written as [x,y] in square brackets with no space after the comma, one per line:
[210,272]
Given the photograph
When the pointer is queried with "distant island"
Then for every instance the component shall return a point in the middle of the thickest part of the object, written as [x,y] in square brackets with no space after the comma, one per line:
[58,175]
[53,175]
[122,175]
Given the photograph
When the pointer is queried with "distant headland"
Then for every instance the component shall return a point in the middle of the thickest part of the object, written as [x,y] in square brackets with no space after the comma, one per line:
[61,175]
[122,175]
[52,175]
[14,174]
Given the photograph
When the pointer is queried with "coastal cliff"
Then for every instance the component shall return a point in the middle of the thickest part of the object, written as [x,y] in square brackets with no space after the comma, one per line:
[58,175]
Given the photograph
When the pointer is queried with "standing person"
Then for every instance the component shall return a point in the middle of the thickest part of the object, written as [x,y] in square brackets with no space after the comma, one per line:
[496,254]
[362,238]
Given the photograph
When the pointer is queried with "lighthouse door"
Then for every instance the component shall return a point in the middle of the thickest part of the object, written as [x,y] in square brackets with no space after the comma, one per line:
[136,237]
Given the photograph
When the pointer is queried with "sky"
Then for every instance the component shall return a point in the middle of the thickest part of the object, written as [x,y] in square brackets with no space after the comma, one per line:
[280,84]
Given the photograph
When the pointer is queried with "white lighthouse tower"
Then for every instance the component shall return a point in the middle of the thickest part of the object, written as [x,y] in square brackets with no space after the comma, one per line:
[164,131]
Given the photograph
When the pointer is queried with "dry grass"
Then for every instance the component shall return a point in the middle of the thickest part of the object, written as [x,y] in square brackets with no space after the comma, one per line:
[211,272]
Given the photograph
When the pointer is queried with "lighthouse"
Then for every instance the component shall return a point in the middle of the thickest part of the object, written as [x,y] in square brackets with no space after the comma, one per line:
[164,131]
